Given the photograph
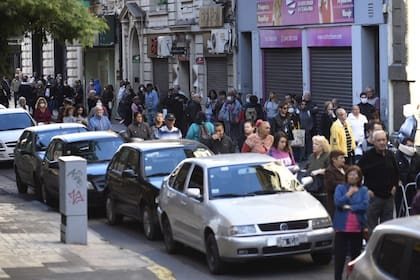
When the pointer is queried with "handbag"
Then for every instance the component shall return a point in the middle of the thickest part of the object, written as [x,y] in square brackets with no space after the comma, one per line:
[317,185]
[298,138]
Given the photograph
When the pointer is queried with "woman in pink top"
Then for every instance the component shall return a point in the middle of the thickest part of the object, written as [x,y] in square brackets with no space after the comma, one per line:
[261,141]
[282,151]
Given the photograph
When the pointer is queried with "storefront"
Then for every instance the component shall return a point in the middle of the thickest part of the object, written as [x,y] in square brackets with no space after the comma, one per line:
[217,74]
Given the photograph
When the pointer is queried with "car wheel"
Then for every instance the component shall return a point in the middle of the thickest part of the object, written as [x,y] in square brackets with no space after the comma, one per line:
[322,258]
[214,262]
[21,187]
[112,216]
[170,244]
[45,197]
[149,227]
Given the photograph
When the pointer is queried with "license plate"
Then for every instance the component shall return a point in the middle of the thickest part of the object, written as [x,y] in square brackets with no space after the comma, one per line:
[288,241]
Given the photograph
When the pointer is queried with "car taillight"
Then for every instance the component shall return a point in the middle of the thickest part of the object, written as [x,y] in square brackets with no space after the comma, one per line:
[350,266]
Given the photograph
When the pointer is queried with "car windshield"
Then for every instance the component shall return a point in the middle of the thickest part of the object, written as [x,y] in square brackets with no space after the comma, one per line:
[251,179]
[94,150]
[162,162]
[44,137]
[14,121]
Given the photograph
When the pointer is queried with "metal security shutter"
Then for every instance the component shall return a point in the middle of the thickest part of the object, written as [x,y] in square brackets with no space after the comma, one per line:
[331,76]
[283,71]
[161,76]
[217,76]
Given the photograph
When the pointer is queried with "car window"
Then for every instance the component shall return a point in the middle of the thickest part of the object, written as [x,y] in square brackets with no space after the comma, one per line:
[94,150]
[25,142]
[118,163]
[161,162]
[14,121]
[43,138]
[197,178]
[251,179]
[178,177]
[132,162]
[56,151]
[390,253]
[413,265]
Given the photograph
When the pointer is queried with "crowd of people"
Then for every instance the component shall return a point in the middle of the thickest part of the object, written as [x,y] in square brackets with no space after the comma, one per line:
[354,173]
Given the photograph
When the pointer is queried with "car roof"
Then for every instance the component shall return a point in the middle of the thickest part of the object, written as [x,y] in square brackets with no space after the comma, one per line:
[231,159]
[149,145]
[409,225]
[53,126]
[13,111]
[85,136]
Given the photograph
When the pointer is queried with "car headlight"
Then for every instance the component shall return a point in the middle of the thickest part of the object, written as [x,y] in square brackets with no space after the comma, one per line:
[90,186]
[321,223]
[240,230]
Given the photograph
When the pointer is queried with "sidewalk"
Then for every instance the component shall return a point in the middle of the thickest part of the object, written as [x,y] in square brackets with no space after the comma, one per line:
[30,248]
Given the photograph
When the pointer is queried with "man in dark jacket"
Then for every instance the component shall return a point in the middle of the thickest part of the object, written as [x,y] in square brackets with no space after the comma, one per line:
[365,108]
[220,143]
[381,176]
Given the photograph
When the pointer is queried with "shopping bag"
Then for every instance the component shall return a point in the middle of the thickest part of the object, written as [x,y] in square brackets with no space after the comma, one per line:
[299,138]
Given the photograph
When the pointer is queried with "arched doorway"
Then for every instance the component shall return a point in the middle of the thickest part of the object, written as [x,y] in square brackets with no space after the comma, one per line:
[134,60]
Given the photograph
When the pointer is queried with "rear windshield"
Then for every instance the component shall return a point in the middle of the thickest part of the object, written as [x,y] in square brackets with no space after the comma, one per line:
[14,121]
[94,150]
[44,137]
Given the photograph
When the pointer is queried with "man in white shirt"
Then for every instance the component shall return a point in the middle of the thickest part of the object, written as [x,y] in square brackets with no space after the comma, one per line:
[357,122]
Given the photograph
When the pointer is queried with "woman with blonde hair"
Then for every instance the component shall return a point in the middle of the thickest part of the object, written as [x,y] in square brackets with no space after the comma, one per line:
[317,163]
[261,141]
[42,114]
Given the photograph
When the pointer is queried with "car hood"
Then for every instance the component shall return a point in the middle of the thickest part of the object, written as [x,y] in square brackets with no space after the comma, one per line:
[10,135]
[260,209]
[96,169]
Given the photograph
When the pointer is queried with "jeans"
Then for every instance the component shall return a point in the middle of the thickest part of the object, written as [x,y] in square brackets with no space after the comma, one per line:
[344,241]
[380,210]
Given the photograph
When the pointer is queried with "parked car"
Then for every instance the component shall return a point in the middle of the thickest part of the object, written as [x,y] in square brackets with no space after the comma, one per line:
[236,207]
[97,147]
[135,174]
[30,151]
[392,252]
[12,124]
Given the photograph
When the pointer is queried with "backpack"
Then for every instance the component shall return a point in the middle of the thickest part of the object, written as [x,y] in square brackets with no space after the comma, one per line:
[203,134]
[251,114]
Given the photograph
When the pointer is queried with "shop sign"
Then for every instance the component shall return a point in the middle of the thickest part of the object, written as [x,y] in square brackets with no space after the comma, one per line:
[287,38]
[299,12]
[329,37]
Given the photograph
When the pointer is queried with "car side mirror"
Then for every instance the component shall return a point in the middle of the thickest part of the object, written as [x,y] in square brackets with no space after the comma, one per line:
[129,173]
[194,193]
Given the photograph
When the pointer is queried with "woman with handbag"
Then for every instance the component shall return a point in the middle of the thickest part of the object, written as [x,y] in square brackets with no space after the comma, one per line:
[317,163]
[351,202]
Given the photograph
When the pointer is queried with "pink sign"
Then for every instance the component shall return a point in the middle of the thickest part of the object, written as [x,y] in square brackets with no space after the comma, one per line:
[330,36]
[288,38]
[298,12]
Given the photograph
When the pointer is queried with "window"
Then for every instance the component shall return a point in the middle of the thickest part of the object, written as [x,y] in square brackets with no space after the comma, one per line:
[177,181]
[162,162]
[197,178]
[118,164]
[94,150]
[390,254]
[25,142]
[413,265]
[158,5]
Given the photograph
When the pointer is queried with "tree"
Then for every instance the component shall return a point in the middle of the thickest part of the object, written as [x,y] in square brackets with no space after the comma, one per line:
[64,20]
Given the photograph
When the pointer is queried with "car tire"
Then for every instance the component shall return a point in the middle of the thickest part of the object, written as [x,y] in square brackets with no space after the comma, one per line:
[21,187]
[170,244]
[149,227]
[214,262]
[322,258]
[112,217]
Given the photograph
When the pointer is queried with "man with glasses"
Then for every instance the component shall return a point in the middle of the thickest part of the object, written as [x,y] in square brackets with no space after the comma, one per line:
[283,121]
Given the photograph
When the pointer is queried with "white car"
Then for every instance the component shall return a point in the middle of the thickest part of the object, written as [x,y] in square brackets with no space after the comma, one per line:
[393,252]
[12,124]
[241,206]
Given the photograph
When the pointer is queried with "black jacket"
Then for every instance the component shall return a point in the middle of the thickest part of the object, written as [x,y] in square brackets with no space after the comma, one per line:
[222,146]
[408,170]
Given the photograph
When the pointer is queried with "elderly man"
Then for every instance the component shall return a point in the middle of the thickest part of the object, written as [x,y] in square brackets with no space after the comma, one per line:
[99,121]
[342,138]
[381,176]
